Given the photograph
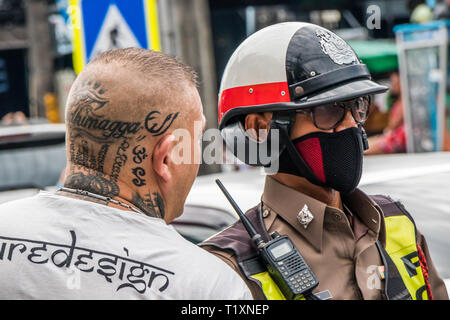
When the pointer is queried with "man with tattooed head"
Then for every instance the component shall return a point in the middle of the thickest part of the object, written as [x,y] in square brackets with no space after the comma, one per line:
[106,233]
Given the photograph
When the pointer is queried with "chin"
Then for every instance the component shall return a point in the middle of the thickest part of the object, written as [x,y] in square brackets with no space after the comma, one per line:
[174,214]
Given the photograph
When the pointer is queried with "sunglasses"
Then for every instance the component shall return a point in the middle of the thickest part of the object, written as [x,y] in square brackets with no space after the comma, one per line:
[329,116]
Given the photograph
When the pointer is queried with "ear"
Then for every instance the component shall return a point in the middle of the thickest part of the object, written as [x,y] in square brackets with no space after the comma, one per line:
[161,157]
[255,122]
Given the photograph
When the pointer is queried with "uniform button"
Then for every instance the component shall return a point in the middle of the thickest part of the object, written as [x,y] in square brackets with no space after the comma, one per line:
[266,213]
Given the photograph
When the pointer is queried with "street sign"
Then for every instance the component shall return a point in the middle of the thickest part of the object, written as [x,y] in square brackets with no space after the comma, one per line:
[102,25]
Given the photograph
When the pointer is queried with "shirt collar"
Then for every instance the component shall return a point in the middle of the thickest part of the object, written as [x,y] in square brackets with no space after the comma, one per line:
[368,212]
[288,202]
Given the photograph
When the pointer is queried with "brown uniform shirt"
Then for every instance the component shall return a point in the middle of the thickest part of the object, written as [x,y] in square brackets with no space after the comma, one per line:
[339,248]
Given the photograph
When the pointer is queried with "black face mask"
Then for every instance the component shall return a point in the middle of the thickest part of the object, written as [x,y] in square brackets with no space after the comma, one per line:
[326,159]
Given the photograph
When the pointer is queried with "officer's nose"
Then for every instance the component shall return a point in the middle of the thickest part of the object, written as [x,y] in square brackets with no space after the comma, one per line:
[347,123]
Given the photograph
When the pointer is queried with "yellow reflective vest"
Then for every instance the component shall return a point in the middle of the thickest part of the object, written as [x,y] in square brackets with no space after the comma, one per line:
[404,278]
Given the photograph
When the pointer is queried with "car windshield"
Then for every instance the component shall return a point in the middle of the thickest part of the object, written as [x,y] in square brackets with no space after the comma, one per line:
[32,157]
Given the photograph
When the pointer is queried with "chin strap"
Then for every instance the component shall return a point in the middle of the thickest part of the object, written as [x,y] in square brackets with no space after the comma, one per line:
[364,137]
[283,121]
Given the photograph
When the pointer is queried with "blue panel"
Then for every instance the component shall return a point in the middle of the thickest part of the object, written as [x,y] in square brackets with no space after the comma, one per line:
[94,13]
[134,14]
[421,26]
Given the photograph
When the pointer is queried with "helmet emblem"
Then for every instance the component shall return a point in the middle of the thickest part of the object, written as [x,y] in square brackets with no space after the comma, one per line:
[336,48]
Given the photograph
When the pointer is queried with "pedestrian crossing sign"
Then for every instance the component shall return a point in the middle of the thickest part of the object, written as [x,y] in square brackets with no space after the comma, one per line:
[102,25]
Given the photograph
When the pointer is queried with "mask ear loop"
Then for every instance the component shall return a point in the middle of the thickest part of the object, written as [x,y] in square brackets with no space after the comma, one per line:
[283,122]
[365,141]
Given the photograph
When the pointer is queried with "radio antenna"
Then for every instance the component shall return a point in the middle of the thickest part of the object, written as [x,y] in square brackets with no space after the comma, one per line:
[256,237]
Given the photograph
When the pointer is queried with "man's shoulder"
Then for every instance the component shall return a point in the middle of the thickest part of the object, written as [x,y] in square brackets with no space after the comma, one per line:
[23,205]
[20,201]
[212,276]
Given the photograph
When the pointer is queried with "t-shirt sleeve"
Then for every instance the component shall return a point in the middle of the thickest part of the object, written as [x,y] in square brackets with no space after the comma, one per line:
[232,263]
[231,285]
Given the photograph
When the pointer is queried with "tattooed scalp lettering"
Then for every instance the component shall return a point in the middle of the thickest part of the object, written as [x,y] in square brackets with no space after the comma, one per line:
[85,119]
[138,173]
[139,154]
[108,142]
[120,160]
[154,127]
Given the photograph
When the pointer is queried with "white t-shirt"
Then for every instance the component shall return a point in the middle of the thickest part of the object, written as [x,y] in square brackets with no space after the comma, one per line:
[55,247]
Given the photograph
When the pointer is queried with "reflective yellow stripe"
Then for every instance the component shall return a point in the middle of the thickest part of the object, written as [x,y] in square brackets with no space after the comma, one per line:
[270,288]
[401,247]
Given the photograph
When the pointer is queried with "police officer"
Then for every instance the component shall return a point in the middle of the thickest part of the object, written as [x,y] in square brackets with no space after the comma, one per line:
[307,84]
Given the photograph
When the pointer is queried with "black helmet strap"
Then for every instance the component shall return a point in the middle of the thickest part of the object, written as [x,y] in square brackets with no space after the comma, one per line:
[325,80]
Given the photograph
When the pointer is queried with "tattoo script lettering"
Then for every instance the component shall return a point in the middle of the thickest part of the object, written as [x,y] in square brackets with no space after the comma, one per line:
[122,271]
[152,123]
[84,120]
[139,154]
[120,160]
[138,173]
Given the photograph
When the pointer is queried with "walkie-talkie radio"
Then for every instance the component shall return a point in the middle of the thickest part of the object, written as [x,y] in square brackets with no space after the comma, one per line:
[284,263]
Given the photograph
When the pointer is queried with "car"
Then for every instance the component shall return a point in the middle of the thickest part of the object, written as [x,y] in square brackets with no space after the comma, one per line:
[32,157]
[420,181]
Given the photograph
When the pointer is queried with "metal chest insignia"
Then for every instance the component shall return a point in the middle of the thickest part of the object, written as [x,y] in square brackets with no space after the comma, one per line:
[305,216]
[336,48]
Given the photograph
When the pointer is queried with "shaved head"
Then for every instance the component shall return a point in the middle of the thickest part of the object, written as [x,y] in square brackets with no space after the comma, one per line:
[122,86]
[127,94]
[119,108]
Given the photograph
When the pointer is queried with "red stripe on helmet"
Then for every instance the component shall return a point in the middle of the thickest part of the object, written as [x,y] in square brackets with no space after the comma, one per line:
[253,95]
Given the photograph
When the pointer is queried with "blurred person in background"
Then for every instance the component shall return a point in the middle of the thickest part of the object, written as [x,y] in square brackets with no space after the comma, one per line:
[14,118]
[393,138]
